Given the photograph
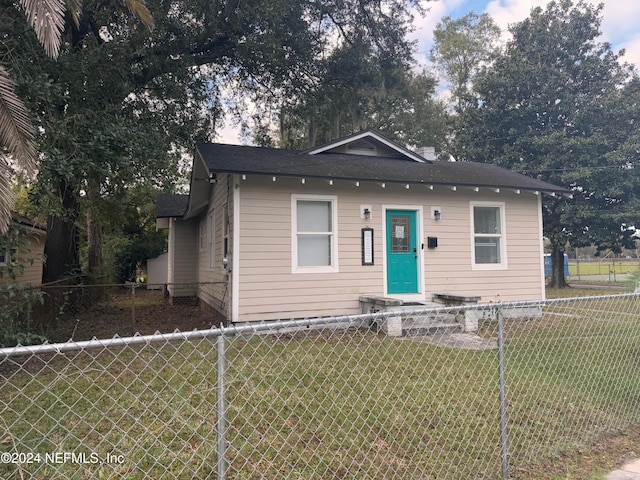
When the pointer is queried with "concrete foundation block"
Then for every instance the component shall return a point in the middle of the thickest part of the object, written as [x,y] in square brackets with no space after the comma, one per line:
[392,326]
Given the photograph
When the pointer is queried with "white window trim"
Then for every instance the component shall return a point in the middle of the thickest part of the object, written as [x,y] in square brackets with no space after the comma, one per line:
[225,232]
[211,239]
[294,233]
[202,235]
[503,237]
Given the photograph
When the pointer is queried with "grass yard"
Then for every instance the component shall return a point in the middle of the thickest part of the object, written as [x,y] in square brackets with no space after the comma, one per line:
[603,267]
[348,404]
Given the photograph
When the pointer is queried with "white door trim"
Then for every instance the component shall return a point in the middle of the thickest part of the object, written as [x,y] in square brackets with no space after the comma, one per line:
[420,251]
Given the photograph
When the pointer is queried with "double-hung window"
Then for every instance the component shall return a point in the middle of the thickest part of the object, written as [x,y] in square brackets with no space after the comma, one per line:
[488,237]
[314,233]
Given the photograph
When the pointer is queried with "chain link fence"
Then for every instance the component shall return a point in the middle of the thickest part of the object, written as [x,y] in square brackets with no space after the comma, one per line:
[329,398]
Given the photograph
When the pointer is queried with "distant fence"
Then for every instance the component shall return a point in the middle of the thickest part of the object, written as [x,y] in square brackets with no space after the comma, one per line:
[328,398]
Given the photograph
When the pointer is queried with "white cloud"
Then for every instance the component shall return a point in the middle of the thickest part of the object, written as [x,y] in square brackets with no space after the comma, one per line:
[620,20]
[425,25]
[230,133]
[619,26]
[508,12]
[632,50]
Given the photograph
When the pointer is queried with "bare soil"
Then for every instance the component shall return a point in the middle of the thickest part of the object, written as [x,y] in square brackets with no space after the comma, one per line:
[119,313]
[609,452]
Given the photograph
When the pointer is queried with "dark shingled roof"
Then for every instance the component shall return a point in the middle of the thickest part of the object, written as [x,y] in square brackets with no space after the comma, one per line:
[171,205]
[222,158]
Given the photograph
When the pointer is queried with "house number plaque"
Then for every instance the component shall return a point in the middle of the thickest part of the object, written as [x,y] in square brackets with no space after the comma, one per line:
[367,246]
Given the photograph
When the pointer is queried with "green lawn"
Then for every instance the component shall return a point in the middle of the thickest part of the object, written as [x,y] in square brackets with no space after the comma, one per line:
[350,404]
[603,267]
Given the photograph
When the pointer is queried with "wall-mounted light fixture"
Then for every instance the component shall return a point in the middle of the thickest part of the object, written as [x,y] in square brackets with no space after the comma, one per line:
[366,212]
[436,213]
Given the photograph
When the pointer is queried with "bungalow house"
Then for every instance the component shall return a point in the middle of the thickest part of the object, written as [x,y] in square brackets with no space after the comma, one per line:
[300,234]
[25,240]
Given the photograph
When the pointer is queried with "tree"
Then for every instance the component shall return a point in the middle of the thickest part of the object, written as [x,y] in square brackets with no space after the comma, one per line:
[552,106]
[360,89]
[46,17]
[461,47]
[118,98]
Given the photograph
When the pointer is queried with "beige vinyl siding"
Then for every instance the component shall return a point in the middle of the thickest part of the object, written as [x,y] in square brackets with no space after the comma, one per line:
[182,265]
[269,290]
[34,245]
[449,267]
[221,195]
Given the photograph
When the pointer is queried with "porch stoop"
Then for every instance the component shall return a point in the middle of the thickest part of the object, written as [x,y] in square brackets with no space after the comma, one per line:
[408,323]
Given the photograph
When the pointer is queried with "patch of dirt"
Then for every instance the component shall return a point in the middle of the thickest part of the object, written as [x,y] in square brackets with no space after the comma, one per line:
[608,452]
[466,341]
[121,314]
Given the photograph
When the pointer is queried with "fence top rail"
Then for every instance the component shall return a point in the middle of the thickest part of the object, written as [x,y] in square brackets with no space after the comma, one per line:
[126,285]
[275,325]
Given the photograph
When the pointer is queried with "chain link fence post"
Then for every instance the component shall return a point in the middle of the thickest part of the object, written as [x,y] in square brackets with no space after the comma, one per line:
[503,397]
[221,426]
[133,309]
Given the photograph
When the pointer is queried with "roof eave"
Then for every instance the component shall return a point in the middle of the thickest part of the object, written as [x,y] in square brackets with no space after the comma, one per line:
[545,190]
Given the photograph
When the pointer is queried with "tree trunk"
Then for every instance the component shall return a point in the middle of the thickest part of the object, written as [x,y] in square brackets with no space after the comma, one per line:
[61,244]
[94,229]
[558,280]
[94,243]
[312,133]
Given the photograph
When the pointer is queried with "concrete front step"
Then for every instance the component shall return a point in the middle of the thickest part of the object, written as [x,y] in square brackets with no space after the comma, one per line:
[417,330]
[417,318]
[429,324]
[420,324]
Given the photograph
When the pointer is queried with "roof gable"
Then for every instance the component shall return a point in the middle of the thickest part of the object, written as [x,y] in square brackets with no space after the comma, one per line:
[366,143]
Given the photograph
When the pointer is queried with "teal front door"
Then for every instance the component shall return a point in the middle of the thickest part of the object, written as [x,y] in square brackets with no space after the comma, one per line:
[402,252]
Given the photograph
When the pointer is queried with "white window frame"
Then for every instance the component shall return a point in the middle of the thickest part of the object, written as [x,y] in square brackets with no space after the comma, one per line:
[211,239]
[502,236]
[202,235]
[225,232]
[333,199]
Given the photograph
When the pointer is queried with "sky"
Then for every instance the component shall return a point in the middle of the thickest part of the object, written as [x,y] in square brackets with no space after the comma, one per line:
[620,27]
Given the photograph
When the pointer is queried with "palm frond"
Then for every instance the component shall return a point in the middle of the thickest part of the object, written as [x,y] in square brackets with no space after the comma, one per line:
[139,9]
[16,129]
[7,197]
[47,19]
[74,7]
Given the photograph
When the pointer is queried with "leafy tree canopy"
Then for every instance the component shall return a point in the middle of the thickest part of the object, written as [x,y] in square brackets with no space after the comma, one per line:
[554,106]
[122,102]
[461,48]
